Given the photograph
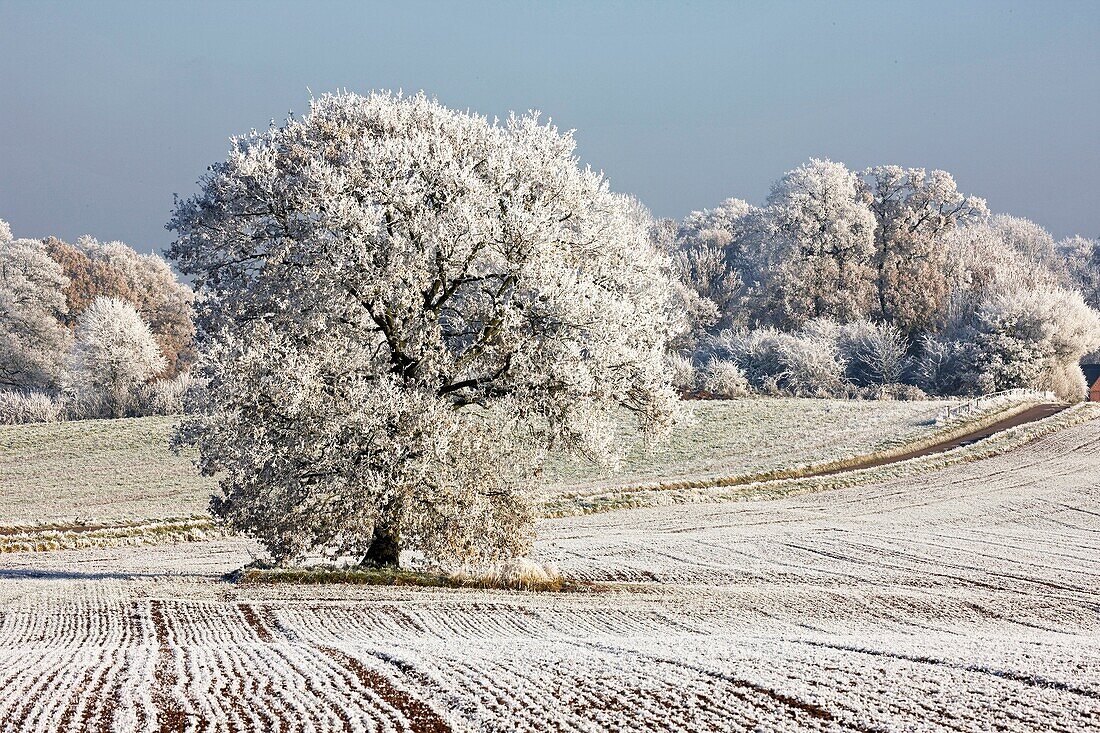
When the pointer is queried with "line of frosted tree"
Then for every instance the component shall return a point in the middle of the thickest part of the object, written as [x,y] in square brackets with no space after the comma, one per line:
[89,330]
[884,283]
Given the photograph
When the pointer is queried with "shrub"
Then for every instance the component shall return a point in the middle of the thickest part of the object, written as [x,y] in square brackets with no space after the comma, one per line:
[876,353]
[946,366]
[755,352]
[684,377]
[165,396]
[26,407]
[724,379]
[811,367]
[807,364]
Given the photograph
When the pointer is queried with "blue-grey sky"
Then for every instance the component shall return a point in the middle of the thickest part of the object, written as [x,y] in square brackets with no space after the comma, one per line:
[108,108]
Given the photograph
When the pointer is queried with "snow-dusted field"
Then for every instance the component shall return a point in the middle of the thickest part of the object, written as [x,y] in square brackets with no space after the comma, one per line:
[967,599]
[121,470]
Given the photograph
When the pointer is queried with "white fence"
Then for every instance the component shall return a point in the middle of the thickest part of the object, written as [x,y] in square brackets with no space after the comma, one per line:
[978,403]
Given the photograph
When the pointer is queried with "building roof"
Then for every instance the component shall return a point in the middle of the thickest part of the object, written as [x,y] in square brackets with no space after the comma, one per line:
[1092,373]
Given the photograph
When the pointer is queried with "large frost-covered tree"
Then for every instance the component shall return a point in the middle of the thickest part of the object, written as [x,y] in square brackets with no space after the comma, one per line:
[817,247]
[114,355]
[402,308]
[33,342]
[914,211]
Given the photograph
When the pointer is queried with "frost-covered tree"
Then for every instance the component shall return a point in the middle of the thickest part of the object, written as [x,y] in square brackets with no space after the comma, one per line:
[710,257]
[114,355]
[1010,321]
[402,309]
[995,256]
[817,247]
[1082,261]
[33,341]
[116,270]
[1034,338]
[1028,239]
[914,211]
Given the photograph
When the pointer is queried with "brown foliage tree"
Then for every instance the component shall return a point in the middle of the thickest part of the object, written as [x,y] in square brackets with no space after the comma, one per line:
[114,270]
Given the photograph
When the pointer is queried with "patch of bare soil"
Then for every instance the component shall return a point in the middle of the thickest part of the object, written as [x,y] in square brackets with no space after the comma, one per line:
[170,717]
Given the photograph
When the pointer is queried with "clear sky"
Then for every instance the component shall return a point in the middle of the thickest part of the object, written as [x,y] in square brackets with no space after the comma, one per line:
[108,108]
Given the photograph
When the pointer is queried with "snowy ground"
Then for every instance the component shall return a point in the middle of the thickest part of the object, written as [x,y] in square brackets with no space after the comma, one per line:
[967,599]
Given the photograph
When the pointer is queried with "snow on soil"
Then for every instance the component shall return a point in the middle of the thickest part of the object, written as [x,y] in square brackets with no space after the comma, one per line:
[967,599]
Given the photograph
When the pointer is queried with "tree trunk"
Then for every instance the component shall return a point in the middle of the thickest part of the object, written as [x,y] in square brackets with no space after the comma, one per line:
[385,546]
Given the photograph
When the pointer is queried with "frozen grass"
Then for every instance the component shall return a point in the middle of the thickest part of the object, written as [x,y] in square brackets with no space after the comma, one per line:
[118,471]
[734,488]
[757,436]
[72,537]
[96,471]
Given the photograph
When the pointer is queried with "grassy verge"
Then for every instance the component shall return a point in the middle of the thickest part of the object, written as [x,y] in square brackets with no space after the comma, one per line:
[75,537]
[402,577]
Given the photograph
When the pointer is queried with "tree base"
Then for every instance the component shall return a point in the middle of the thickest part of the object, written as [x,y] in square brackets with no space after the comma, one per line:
[384,550]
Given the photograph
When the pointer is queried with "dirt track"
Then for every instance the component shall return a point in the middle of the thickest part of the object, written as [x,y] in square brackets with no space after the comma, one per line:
[1038,412]
[968,599]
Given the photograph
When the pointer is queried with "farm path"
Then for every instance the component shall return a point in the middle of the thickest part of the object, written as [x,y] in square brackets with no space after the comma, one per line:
[967,599]
[1031,414]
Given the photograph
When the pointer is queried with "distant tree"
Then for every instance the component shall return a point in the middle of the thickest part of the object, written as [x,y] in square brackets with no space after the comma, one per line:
[116,270]
[1028,239]
[404,308]
[114,355]
[914,211]
[818,247]
[33,341]
[990,257]
[1082,261]
[1034,338]
[710,259]
[719,226]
